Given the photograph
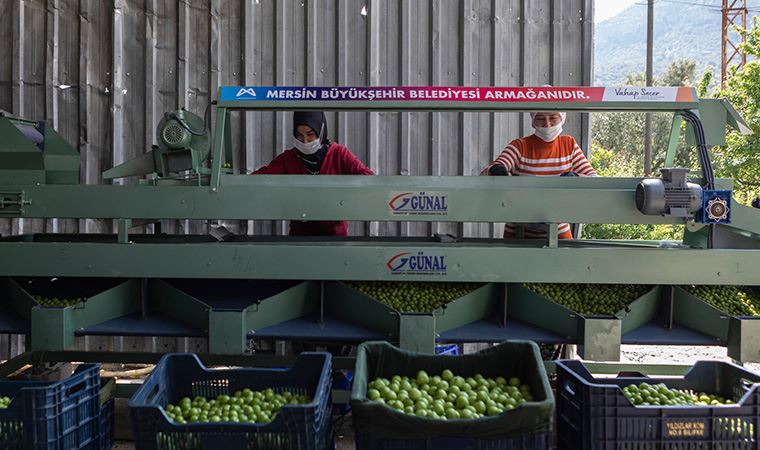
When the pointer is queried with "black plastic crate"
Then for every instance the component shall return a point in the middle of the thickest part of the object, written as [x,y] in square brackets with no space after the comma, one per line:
[107,424]
[303,427]
[594,414]
[531,441]
[59,415]
[379,427]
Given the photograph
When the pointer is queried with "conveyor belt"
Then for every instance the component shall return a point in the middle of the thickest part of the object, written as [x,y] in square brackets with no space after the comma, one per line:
[488,330]
[231,295]
[308,329]
[12,323]
[327,240]
[132,325]
[655,334]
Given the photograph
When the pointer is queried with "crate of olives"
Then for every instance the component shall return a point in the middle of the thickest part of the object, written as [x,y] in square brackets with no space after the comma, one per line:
[52,414]
[497,398]
[452,304]
[728,313]
[595,316]
[715,405]
[184,405]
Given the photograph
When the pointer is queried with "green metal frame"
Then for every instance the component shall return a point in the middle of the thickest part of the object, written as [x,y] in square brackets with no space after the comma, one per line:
[469,199]
[54,328]
[488,261]
[22,161]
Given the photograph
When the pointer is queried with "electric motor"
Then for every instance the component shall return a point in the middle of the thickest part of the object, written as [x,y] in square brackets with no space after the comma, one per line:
[173,135]
[672,195]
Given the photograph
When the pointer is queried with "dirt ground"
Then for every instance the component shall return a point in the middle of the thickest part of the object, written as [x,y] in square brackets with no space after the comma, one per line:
[650,354]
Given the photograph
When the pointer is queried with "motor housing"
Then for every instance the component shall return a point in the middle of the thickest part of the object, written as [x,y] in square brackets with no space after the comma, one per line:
[672,195]
[184,145]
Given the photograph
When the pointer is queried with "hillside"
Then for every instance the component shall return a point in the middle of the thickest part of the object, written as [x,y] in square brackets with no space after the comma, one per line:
[683,29]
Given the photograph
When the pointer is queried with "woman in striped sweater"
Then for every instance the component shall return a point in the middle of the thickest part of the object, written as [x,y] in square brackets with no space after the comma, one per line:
[546,152]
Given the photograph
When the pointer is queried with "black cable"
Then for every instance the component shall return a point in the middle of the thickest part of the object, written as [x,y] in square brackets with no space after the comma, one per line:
[704,154]
[184,125]
[704,161]
[207,124]
[207,116]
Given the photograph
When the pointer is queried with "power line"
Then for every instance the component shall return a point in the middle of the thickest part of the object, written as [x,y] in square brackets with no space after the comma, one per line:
[692,3]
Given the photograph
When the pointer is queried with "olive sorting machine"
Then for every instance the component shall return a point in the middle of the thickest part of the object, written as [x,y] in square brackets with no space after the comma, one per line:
[233,288]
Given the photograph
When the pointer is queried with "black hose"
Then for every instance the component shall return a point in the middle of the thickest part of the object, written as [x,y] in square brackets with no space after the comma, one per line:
[184,125]
[207,116]
[704,155]
[207,123]
[705,163]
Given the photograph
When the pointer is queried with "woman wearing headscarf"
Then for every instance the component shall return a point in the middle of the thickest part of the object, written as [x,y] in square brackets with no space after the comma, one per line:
[314,154]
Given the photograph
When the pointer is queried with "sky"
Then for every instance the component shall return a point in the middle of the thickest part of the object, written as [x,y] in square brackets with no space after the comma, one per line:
[605,9]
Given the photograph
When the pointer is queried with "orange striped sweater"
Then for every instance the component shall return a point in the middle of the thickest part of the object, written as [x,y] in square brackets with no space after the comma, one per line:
[533,156]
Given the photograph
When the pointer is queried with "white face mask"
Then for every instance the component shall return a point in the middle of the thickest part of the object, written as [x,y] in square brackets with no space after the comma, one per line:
[548,134]
[308,148]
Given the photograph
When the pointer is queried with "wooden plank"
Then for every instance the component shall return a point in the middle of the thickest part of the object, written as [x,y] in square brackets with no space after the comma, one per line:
[587,70]
[120,10]
[406,51]
[151,115]
[97,105]
[6,55]
[8,49]
[352,70]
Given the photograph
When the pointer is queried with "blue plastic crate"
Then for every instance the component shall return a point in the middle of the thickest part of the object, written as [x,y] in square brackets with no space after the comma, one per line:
[594,414]
[303,427]
[447,349]
[342,382]
[107,424]
[59,415]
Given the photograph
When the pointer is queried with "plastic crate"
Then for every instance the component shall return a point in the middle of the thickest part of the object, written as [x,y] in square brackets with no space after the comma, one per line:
[594,414]
[532,441]
[181,375]
[60,415]
[107,424]
[379,427]
[447,349]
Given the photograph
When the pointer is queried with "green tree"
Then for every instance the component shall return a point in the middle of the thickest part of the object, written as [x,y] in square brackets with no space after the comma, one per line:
[618,150]
[610,163]
[617,146]
[681,72]
[740,157]
[622,132]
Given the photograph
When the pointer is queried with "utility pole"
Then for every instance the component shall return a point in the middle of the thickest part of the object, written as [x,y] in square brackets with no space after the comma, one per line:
[733,12]
[648,116]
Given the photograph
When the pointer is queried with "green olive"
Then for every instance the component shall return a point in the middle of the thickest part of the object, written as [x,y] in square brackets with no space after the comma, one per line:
[590,299]
[734,300]
[414,296]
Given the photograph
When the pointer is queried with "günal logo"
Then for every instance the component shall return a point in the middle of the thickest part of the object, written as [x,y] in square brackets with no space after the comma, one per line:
[419,203]
[419,263]
[250,92]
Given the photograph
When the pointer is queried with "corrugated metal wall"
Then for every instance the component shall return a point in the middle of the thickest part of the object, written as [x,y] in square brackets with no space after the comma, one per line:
[103,72]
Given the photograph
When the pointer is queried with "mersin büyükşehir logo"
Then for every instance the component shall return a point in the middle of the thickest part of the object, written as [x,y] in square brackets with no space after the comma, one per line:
[246,93]
[419,263]
[419,203]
